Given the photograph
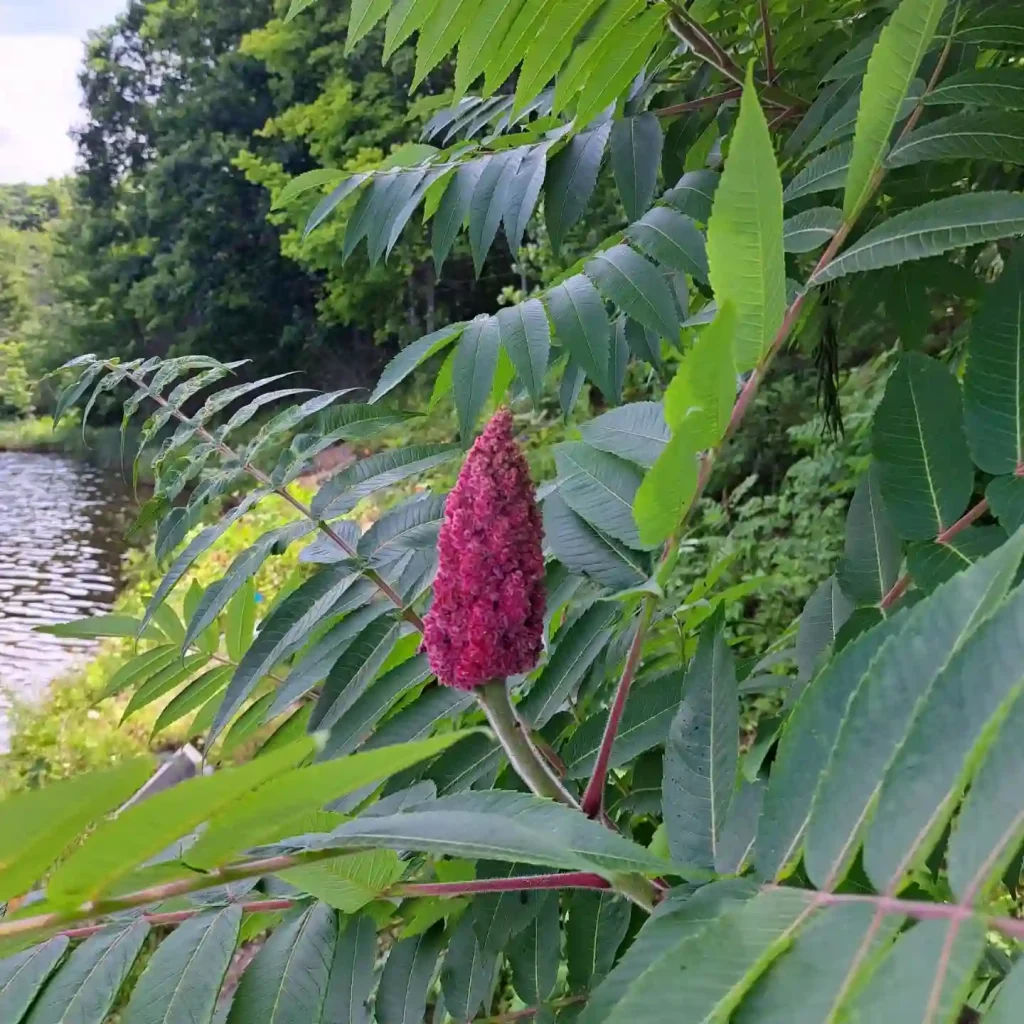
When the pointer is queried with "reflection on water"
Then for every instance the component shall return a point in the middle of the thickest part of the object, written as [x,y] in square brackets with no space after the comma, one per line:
[61,536]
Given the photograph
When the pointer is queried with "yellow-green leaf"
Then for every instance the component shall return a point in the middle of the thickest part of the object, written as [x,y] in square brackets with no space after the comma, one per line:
[667,490]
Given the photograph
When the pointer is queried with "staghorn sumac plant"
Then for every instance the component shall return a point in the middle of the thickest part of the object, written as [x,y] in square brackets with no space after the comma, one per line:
[587,836]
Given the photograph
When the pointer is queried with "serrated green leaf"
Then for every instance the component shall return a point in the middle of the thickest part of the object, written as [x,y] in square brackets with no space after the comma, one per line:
[618,61]
[523,195]
[741,941]
[503,826]
[825,173]
[1006,496]
[826,611]
[641,342]
[182,980]
[40,824]
[700,398]
[534,954]
[635,146]
[490,201]
[121,844]
[805,985]
[936,227]
[974,136]
[164,681]
[571,179]
[193,696]
[584,549]
[637,287]
[480,42]
[551,45]
[581,324]
[287,980]
[467,972]
[666,491]
[346,489]
[595,928]
[924,467]
[473,368]
[109,625]
[702,753]
[599,487]
[872,553]
[804,750]
[140,668]
[454,208]
[576,648]
[365,14]
[946,740]
[927,974]
[931,563]
[22,976]
[348,883]
[636,432]
[352,977]
[745,235]
[694,194]
[881,710]
[811,229]
[984,87]
[526,336]
[354,671]
[672,239]
[994,379]
[439,34]
[407,976]
[512,47]
[1000,27]
[891,68]
[264,815]
[84,989]
[412,356]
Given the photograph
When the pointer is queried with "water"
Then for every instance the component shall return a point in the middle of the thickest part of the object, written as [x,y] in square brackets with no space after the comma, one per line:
[62,525]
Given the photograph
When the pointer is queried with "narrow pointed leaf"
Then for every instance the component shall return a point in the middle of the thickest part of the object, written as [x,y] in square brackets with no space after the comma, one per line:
[596,926]
[352,978]
[581,324]
[975,136]
[825,173]
[526,336]
[181,982]
[924,468]
[467,972]
[288,978]
[672,239]
[523,193]
[84,990]
[745,234]
[454,208]
[534,955]
[572,176]
[412,356]
[22,976]
[694,194]
[891,68]
[439,34]
[872,555]
[402,998]
[936,227]
[635,155]
[985,87]
[489,202]
[702,752]
[481,40]
[365,14]
[635,286]
[637,432]
[811,229]
[476,360]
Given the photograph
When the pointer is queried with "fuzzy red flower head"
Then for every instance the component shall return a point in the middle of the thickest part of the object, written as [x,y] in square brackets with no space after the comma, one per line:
[487,618]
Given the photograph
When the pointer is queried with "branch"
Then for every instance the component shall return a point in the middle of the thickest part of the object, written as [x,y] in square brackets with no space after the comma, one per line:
[257,474]
[769,46]
[899,588]
[704,101]
[594,795]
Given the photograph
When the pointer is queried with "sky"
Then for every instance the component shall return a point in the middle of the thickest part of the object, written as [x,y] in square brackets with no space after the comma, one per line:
[41,46]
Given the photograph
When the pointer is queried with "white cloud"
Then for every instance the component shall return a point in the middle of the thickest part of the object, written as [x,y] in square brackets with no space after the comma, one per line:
[39,102]
[67,17]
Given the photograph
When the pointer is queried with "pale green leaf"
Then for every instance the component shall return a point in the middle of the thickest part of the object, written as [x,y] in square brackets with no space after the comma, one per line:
[667,490]
[365,14]
[745,259]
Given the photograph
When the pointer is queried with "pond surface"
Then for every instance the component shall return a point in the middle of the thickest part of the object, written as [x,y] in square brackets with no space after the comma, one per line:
[62,524]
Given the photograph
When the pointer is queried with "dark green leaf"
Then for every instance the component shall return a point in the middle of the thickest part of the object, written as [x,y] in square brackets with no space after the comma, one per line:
[811,229]
[702,753]
[635,154]
[467,973]
[287,981]
[490,200]
[1006,496]
[672,239]
[526,336]
[412,356]
[825,173]
[694,194]
[924,467]
[22,976]
[523,195]
[84,989]
[974,136]
[936,227]
[740,830]
[985,87]
[595,928]
[182,980]
[582,326]
[476,359]
[822,618]
[872,554]
[351,980]
[637,287]
[454,208]
[534,954]
[636,432]
[402,998]
[641,342]
[931,564]
[572,176]
[583,549]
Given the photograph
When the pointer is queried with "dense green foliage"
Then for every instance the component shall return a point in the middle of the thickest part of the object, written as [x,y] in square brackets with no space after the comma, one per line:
[614,835]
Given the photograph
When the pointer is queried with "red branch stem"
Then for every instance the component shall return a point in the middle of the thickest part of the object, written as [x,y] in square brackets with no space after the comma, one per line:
[769,46]
[704,101]
[180,916]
